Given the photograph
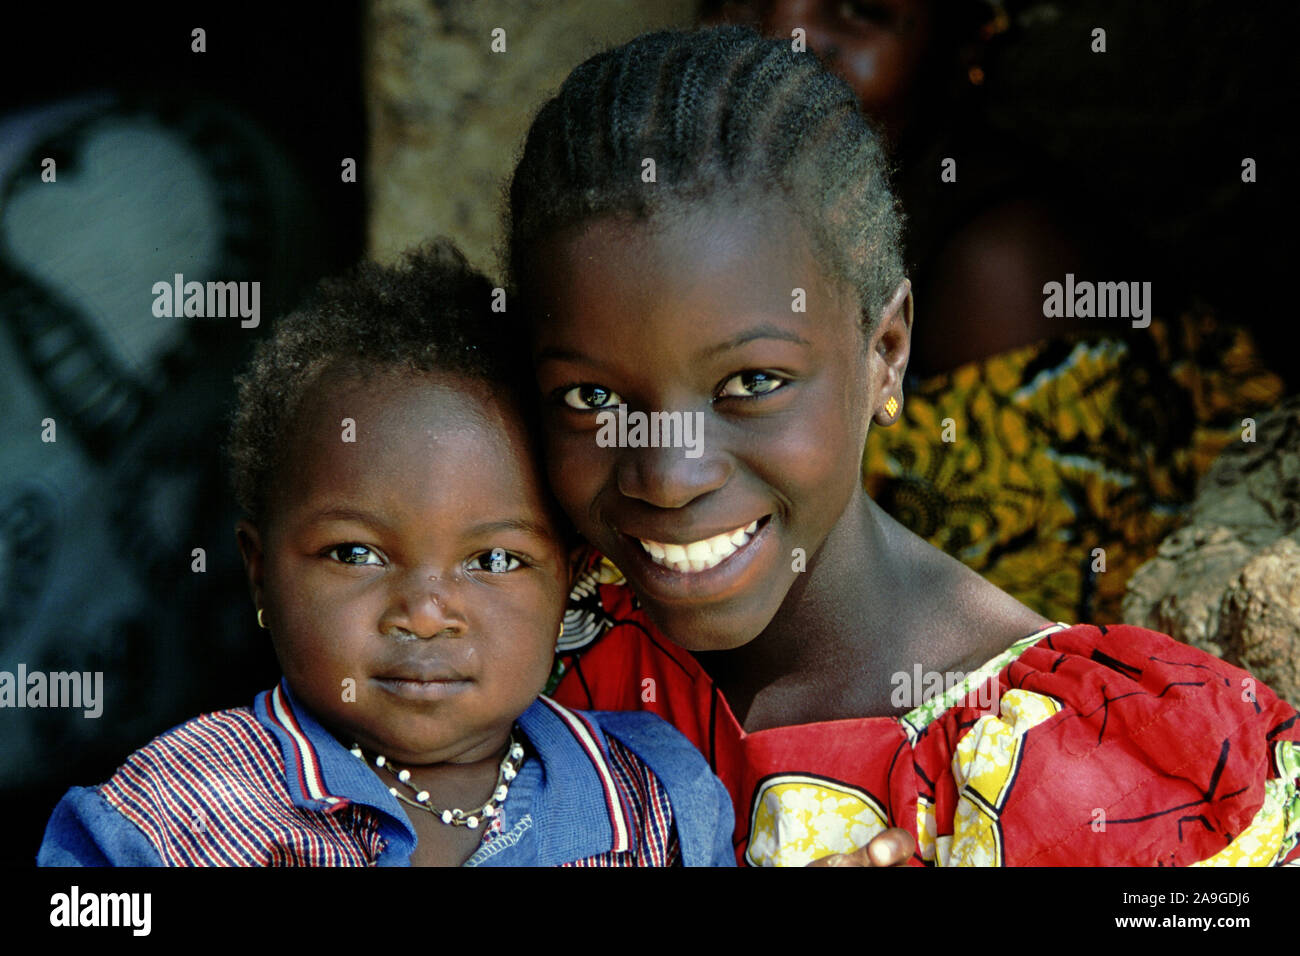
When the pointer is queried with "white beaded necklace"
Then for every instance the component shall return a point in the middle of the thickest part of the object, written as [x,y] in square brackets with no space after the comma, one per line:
[456,818]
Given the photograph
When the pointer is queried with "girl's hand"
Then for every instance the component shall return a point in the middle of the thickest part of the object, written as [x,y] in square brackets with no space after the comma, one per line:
[894,847]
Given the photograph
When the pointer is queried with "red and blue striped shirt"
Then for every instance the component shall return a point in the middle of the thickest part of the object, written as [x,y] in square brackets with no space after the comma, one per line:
[267,785]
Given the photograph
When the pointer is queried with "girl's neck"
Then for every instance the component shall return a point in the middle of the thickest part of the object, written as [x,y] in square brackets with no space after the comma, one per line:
[839,616]
[875,602]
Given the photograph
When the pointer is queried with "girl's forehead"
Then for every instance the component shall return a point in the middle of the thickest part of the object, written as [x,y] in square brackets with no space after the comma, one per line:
[720,258]
[681,245]
[678,301]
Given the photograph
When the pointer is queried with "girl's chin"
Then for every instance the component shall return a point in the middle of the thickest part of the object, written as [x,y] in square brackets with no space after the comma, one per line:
[703,630]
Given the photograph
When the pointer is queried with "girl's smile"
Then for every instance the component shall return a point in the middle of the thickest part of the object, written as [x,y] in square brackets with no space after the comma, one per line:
[693,557]
[705,569]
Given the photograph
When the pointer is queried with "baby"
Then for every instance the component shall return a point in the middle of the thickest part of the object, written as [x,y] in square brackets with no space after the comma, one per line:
[405,557]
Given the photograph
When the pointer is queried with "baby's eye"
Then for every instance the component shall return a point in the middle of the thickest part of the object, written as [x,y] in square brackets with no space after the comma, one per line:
[587,397]
[750,384]
[498,561]
[354,554]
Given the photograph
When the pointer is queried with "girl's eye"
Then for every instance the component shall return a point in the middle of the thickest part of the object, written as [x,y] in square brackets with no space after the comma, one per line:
[750,384]
[354,554]
[587,397]
[497,561]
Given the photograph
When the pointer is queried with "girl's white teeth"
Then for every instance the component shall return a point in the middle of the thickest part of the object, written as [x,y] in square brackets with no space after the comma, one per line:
[722,546]
[699,555]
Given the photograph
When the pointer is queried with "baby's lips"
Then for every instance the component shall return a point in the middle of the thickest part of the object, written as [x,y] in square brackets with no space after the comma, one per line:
[422,672]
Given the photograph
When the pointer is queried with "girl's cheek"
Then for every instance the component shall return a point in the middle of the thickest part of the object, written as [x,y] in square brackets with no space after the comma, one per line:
[809,457]
[576,469]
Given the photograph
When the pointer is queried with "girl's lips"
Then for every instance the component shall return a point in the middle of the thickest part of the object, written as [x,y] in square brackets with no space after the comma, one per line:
[712,582]
[701,555]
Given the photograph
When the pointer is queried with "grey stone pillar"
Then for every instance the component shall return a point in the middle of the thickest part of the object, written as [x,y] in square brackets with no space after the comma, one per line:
[447,114]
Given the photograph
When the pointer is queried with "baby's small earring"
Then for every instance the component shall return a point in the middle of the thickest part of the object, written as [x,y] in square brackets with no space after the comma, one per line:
[560,636]
[889,414]
[260,622]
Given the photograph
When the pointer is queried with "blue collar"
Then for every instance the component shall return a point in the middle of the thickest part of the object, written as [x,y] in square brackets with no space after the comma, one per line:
[323,776]
[567,787]
[581,798]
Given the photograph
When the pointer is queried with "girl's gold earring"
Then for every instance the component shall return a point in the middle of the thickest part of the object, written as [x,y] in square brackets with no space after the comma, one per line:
[260,623]
[888,414]
[561,634]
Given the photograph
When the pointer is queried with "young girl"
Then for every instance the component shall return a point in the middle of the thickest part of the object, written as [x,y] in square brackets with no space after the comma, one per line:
[702,226]
[404,557]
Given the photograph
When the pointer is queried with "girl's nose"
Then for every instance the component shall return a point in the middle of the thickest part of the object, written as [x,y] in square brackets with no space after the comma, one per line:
[425,606]
[667,478]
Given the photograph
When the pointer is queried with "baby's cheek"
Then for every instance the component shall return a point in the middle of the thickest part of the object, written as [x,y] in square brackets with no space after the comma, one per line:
[517,678]
[319,641]
[522,649]
[321,682]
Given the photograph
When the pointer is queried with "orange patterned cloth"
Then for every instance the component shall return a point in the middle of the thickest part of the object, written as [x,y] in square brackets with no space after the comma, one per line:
[1023,465]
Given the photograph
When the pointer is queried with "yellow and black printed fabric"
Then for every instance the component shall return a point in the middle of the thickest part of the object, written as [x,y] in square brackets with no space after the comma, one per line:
[1056,469]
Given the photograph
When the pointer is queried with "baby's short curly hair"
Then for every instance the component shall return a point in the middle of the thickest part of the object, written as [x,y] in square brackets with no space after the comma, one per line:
[429,313]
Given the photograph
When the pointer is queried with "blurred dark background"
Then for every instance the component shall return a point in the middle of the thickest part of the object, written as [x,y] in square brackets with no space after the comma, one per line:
[223,165]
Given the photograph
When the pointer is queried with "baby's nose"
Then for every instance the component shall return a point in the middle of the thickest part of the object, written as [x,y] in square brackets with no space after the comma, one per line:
[425,605]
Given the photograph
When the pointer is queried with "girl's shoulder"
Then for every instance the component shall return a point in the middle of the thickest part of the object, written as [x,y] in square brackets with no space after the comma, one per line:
[967,619]
[1100,660]
[1131,679]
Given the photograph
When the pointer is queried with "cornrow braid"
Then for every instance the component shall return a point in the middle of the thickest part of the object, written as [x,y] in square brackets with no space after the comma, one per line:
[720,111]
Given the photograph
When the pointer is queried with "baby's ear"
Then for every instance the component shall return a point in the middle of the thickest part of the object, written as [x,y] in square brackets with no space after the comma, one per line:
[249,540]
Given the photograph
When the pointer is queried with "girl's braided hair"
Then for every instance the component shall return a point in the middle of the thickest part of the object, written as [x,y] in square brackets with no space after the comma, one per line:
[723,112]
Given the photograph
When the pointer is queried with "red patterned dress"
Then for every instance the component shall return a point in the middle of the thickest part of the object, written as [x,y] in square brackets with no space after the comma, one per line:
[1082,746]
